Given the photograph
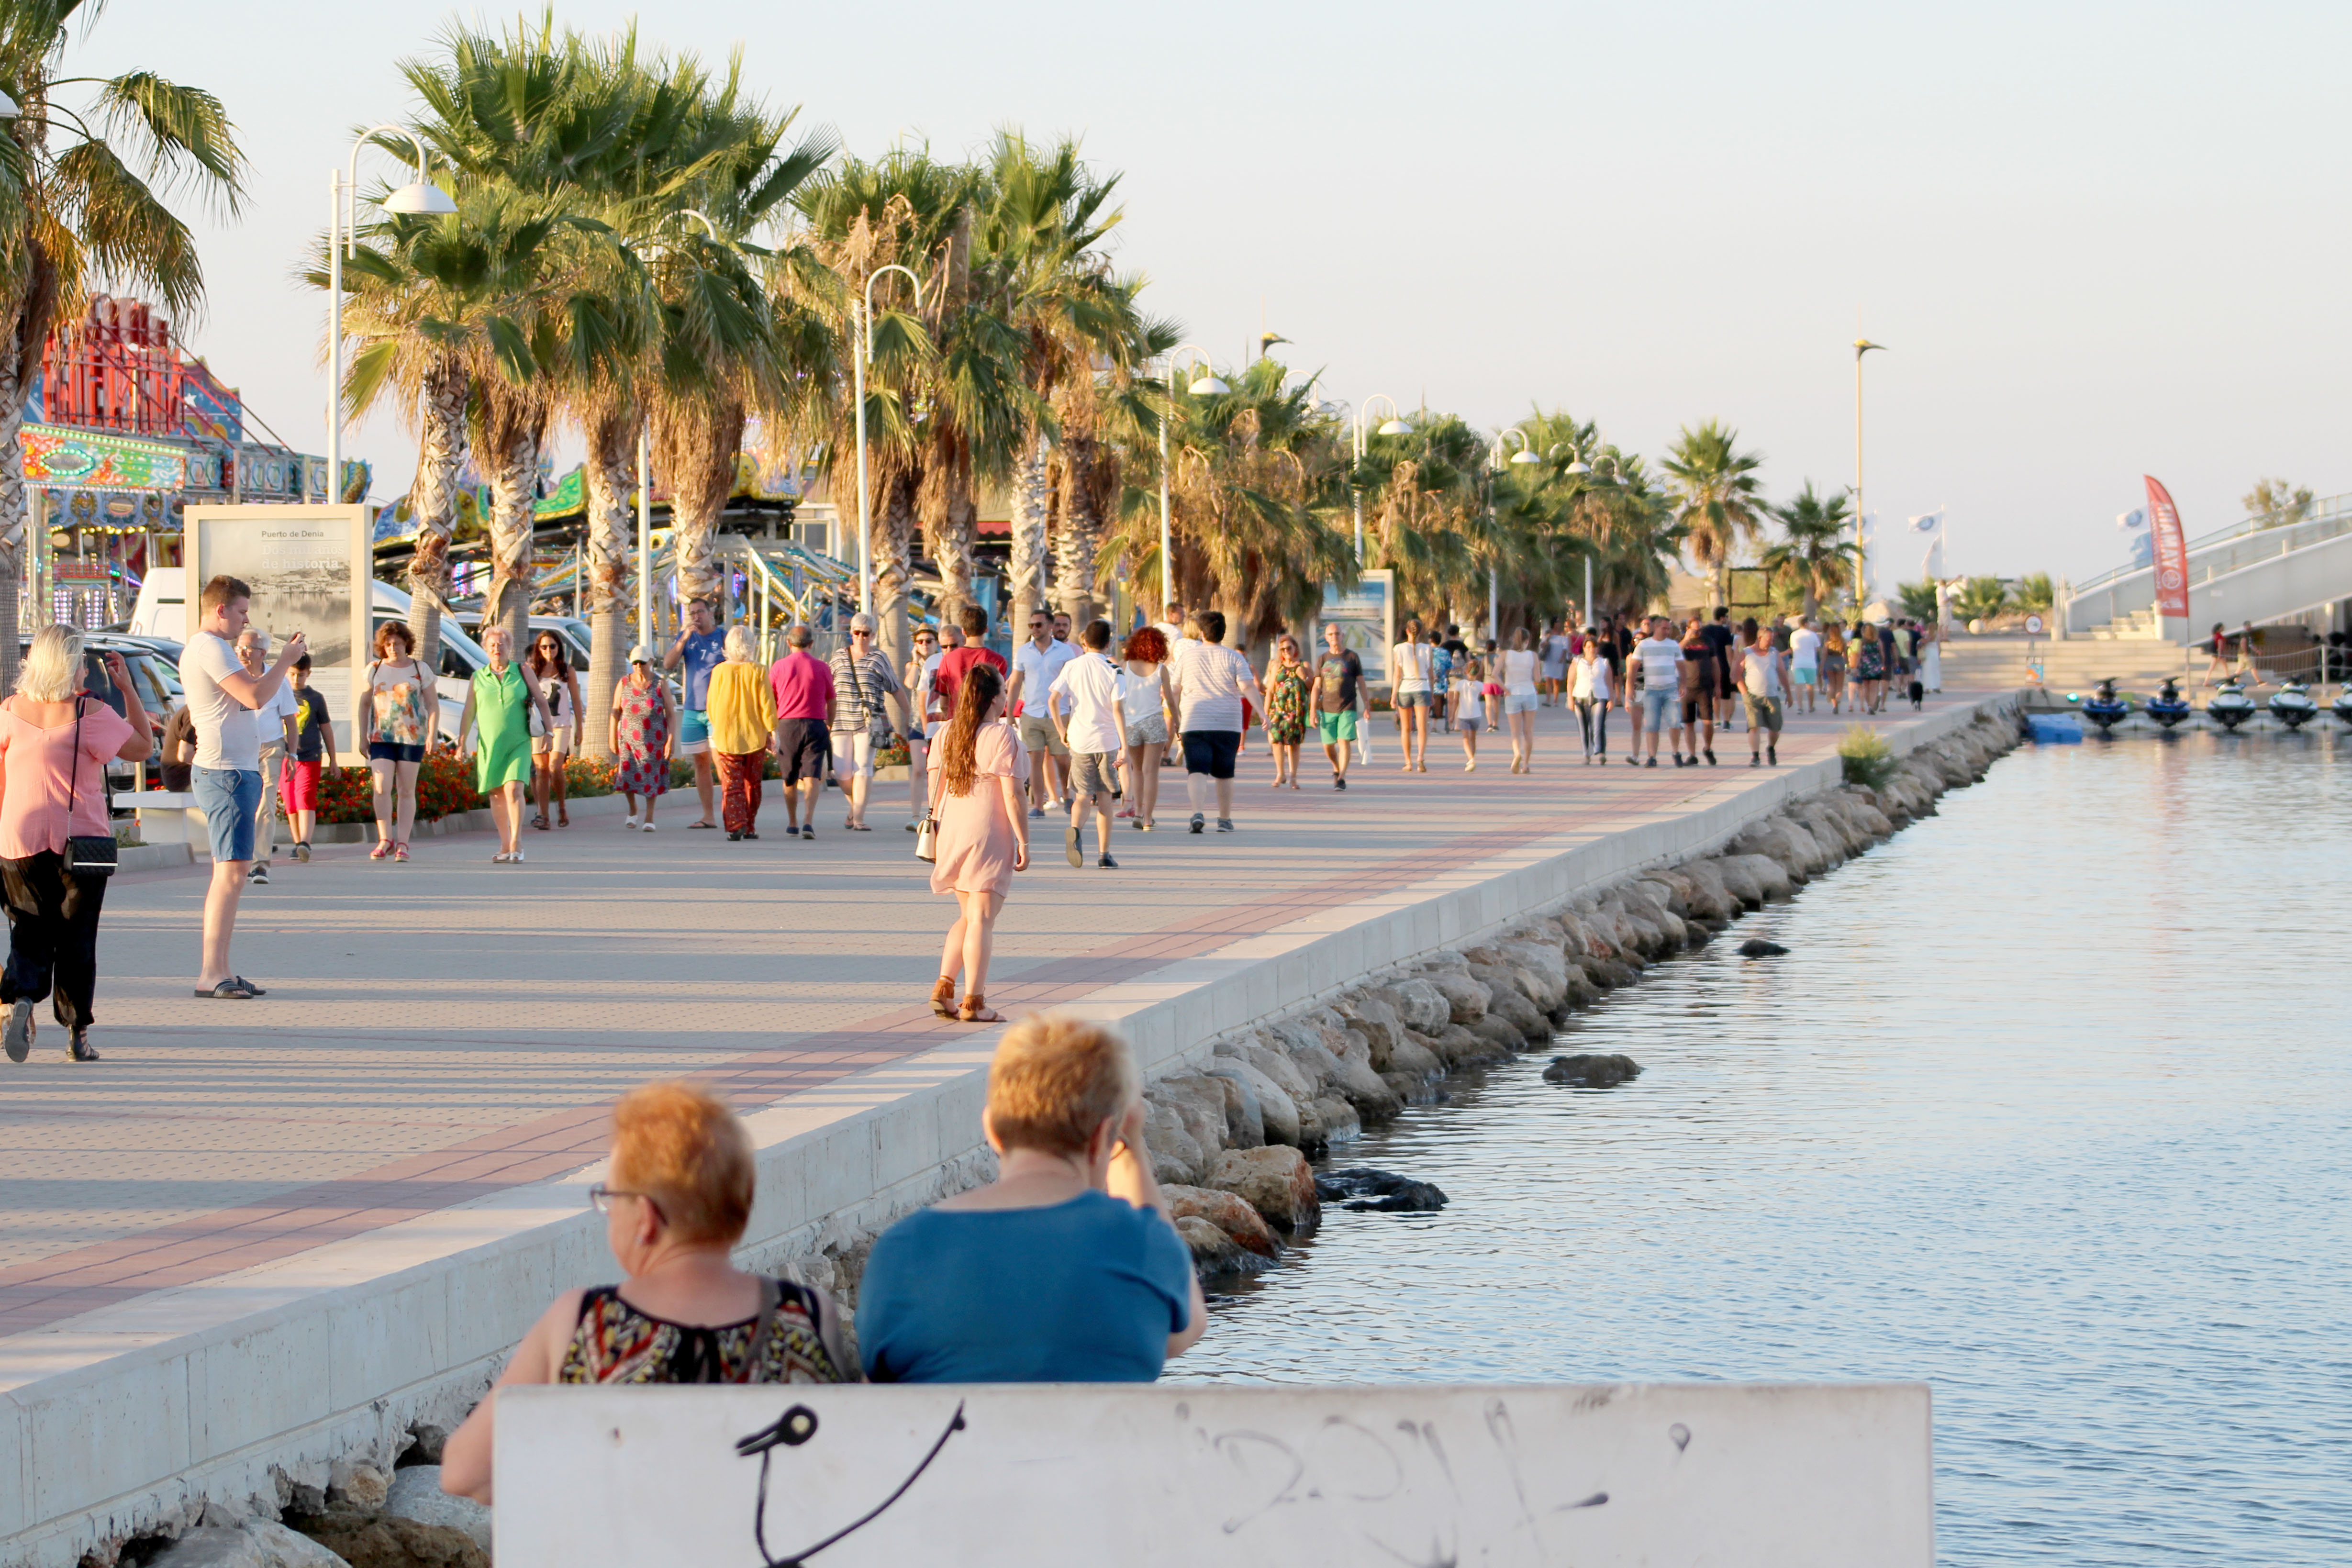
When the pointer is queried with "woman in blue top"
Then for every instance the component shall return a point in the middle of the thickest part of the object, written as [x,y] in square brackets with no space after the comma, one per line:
[1063,1269]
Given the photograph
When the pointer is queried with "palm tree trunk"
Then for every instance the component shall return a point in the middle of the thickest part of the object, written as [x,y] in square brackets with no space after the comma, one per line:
[1027,589]
[512,426]
[694,447]
[610,437]
[1721,586]
[950,521]
[13,508]
[1079,550]
[894,566]
[433,500]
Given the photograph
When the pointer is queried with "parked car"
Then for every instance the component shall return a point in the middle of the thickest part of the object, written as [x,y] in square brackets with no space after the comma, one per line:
[574,633]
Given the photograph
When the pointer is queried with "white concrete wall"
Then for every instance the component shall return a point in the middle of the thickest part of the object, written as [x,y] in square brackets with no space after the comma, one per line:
[114,1420]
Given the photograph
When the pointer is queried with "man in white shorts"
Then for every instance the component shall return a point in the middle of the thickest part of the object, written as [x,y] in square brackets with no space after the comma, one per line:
[1035,664]
[1093,730]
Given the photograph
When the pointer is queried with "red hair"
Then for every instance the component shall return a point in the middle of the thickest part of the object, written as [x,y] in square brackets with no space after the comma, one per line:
[1146,646]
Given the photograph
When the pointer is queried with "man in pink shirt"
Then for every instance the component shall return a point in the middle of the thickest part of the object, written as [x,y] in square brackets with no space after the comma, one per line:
[803,686]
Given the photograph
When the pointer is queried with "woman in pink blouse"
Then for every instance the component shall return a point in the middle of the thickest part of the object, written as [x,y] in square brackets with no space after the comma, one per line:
[55,744]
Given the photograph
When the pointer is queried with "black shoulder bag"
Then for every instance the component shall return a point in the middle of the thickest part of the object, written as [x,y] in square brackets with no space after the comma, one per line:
[87,854]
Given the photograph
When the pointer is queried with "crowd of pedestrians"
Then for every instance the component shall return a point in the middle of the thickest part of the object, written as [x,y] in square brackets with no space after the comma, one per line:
[1076,729]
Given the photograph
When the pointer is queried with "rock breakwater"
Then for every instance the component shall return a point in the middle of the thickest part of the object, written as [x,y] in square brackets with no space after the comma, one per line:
[1286,1091]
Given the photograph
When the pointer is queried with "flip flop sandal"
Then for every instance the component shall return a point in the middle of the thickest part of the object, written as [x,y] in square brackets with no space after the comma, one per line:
[698,826]
[229,990]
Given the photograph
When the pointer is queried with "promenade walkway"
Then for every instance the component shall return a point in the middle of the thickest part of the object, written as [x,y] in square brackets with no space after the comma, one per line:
[439,1031]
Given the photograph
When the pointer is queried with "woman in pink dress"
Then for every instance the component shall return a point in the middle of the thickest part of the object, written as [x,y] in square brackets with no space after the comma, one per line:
[978,774]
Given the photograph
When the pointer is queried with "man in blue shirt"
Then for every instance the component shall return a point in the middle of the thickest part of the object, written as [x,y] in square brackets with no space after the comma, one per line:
[700,649]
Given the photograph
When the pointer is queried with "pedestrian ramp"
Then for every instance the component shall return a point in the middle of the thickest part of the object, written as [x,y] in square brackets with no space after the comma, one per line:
[1767,1476]
[2258,571]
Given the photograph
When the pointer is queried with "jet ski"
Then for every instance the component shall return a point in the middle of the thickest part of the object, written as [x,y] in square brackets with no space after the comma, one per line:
[2230,707]
[2292,706]
[2168,708]
[2105,709]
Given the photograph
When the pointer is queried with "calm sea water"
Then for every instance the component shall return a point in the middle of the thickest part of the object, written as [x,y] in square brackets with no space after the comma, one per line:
[2050,1106]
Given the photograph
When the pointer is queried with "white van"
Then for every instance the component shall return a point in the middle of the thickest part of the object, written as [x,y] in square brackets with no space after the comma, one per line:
[163,611]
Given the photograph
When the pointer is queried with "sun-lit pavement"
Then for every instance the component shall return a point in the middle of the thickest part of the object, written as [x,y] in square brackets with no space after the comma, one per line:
[442,1029]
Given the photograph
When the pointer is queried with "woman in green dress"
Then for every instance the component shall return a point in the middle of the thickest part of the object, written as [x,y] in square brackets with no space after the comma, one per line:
[500,704]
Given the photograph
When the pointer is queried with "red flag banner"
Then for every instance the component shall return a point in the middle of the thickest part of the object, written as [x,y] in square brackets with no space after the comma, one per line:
[2171,553]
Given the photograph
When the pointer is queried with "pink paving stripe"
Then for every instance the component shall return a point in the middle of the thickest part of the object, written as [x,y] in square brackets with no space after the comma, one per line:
[85,1279]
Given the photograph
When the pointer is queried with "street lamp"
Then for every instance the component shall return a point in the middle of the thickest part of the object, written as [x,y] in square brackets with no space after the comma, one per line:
[861,350]
[1395,426]
[1494,564]
[1205,384]
[420,197]
[1861,567]
[644,469]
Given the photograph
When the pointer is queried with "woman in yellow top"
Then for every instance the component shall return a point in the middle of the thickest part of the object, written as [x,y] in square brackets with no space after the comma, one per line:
[743,728]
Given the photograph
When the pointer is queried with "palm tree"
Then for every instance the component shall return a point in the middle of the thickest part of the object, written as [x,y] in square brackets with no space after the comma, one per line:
[1081,340]
[1425,513]
[82,203]
[1814,549]
[1720,502]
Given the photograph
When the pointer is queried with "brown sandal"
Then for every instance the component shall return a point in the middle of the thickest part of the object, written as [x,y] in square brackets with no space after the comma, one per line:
[977,1010]
[943,999]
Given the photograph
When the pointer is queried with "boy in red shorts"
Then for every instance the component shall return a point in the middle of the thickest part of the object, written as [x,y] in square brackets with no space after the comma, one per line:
[314,743]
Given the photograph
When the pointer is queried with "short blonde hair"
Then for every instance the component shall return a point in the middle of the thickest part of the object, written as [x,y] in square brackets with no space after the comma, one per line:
[681,1146]
[1054,1079]
[50,665]
[739,644]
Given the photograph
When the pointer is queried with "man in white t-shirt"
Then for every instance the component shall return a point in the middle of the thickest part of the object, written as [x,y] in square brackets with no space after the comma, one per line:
[275,726]
[1805,662]
[1657,679]
[1092,722]
[1211,680]
[226,779]
[1035,664]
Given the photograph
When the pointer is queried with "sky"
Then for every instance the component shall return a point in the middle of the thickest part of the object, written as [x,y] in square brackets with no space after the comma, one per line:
[2085,233]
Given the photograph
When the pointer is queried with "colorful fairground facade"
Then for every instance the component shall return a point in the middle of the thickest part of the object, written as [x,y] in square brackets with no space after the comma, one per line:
[122,431]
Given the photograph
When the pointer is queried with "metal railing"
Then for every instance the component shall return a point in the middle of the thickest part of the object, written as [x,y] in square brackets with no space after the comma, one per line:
[2332,513]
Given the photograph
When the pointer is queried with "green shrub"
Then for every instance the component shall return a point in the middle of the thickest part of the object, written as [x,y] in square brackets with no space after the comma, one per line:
[1869,761]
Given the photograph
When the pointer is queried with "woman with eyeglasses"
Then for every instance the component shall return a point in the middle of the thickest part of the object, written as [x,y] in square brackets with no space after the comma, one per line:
[551,754]
[1286,709]
[645,725]
[676,1204]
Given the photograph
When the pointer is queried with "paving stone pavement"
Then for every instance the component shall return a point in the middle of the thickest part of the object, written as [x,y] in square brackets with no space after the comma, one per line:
[442,1029]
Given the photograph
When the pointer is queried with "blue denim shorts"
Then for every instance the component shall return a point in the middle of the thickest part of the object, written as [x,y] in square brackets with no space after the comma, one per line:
[1658,708]
[229,797]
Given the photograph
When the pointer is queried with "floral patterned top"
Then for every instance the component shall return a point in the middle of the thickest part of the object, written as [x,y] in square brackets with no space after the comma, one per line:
[615,1343]
[397,708]
[1285,705]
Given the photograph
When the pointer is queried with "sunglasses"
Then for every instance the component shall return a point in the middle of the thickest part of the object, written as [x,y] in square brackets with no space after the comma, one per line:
[860,633]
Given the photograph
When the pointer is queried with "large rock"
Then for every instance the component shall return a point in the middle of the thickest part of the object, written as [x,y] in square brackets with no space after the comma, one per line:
[1507,1038]
[1228,1212]
[1342,1124]
[1199,1102]
[212,1546]
[357,1484]
[1413,1060]
[1592,1071]
[1738,879]
[1505,1002]
[1465,999]
[1277,1065]
[1214,1251]
[284,1548]
[388,1540]
[1420,1005]
[416,1494]
[1274,1181]
[1770,876]
[1714,901]
[1373,1013]
[1277,1111]
[1363,1190]
[1245,1111]
[1176,1155]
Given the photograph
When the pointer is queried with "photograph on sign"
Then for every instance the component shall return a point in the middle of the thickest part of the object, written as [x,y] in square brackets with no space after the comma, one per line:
[308,567]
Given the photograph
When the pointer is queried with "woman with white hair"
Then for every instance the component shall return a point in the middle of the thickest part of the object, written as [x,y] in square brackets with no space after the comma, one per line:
[55,744]
[499,704]
[742,717]
[644,720]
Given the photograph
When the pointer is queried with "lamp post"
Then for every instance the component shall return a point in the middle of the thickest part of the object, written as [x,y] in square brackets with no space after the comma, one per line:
[861,350]
[1861,559]
[420,197]
[1205,384]
[646,474]
[1395,426]
[1494,564]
